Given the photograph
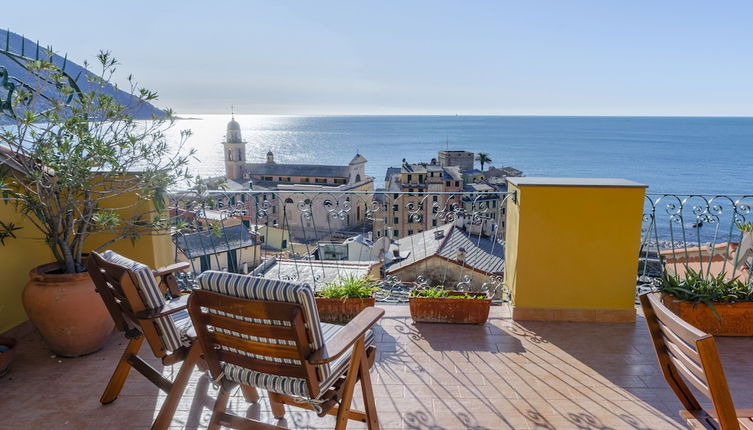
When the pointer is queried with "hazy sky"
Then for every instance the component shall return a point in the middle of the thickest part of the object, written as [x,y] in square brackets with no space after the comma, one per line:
[562,57]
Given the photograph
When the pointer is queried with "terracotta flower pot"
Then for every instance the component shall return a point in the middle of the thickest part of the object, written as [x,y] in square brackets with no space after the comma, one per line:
[340,311]
[6,356]
[736,319]
[451,310]
[67,311]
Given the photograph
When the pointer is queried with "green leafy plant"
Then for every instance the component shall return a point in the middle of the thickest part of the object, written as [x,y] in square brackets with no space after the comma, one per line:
[439,292]
[76,162]
[746,227]
[696,288]
[350,287]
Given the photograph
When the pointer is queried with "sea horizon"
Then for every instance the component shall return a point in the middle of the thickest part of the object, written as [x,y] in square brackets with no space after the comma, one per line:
[671,154]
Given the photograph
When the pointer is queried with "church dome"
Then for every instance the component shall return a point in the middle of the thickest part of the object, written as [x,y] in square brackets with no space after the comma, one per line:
[233,125]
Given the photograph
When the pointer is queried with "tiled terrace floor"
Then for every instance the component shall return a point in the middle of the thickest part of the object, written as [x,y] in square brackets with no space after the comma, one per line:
[428,377]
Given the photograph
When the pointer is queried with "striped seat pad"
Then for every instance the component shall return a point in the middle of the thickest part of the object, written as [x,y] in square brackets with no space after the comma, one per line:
[256,288]
[173,328]
[295,386]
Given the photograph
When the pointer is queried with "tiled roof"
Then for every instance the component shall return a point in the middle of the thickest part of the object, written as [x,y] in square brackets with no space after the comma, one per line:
[315,273]
[208,242]
[298,170]
[481,253]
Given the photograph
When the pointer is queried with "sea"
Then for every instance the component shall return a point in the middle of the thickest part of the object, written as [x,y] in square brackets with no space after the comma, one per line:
[679,155]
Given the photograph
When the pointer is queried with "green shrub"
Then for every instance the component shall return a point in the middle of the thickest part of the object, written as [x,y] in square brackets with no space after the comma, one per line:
[695,288]
[746,227]
[350,287]
[439,292]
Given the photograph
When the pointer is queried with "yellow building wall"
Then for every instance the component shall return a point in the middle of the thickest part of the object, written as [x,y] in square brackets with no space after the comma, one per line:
[274,236]
[17,258]
[20,255]
[572,248]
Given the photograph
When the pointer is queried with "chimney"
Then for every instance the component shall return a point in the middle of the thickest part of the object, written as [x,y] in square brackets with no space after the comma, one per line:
[438,234]
[460,255]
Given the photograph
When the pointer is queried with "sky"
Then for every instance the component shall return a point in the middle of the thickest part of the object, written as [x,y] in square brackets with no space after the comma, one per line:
[321,57]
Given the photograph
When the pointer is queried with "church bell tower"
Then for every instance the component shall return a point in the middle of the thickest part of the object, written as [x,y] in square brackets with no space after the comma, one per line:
[235,151]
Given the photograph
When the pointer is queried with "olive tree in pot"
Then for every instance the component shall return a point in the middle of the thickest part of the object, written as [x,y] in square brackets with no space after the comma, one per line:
[83,171]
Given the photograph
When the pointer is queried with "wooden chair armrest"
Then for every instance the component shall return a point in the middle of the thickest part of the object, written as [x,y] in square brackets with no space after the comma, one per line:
[176,267]
[175,305]
[346,337]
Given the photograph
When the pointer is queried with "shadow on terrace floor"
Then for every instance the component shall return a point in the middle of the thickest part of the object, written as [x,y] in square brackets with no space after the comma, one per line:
[501,375]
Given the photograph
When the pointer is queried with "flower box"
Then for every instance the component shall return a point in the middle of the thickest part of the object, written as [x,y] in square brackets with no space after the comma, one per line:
[735,319]
[340,311]
[450,309]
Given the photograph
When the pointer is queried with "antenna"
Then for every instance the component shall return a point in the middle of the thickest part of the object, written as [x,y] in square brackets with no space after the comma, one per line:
[232,111]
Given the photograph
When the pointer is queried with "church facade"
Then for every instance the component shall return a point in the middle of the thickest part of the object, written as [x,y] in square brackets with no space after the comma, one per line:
[295,186]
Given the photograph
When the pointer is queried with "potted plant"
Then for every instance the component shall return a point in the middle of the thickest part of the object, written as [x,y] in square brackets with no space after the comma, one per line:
[341,300]
[85,173]
[715,305]
[439,305]
[7,349]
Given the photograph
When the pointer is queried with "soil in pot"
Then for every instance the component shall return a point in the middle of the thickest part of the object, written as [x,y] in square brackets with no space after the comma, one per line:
[67,311]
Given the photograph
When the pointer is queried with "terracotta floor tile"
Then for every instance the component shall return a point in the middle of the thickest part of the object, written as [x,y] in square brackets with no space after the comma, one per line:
[501,375]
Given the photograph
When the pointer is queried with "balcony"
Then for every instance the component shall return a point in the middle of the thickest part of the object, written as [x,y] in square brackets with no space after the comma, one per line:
[503,375]
[564,347]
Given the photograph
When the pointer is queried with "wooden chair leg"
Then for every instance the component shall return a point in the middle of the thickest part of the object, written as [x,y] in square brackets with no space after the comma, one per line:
[250,393]
[120,375]
[166,413]
[372,421]
[277,405]
[220,406]
[350,385]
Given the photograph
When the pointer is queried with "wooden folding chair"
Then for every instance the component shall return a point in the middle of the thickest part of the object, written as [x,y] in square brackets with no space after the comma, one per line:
[138,305]
[266,333]
[687,354]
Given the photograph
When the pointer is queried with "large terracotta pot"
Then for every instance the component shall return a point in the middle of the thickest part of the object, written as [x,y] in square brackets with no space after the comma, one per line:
[340,311]
[451,310]
[67,311]
[736,319]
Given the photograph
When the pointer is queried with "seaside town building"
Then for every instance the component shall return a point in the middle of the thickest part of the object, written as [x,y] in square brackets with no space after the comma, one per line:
[293,187]
[445,188]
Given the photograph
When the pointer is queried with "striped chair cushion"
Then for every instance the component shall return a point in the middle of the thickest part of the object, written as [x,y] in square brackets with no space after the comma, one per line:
[255,288]
[172,328]
[295,386]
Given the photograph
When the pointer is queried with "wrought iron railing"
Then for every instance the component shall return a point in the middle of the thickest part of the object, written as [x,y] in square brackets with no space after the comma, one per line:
[404,239]
[702,234]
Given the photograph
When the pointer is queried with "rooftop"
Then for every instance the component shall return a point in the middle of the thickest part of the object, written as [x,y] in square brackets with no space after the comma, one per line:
[502,375]
[316,273]
[209,242]
[481,253]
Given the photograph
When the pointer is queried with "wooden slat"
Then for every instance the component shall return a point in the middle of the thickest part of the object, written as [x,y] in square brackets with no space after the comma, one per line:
[682,329]
[260,309]
[689,376]
[671,337]
[254,347]
[263,366]
[250,328]
[689,364]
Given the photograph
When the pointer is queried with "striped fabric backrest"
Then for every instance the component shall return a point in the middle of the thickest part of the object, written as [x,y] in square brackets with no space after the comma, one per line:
[263,289]
[152,296]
